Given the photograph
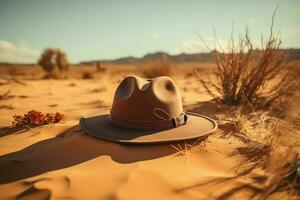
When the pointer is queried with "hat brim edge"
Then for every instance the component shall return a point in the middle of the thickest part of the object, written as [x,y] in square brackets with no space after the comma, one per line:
[85,129]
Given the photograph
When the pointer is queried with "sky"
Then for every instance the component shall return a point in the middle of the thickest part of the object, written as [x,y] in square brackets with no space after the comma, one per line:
[99,29]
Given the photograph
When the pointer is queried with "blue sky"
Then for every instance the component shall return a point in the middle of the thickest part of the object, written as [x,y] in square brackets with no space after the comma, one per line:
[110,29]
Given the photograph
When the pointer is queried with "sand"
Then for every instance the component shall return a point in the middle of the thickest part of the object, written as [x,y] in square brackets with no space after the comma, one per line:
[59,161]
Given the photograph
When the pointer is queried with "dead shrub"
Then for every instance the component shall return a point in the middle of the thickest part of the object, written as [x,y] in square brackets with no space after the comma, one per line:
[244,74]
[15,71]
[54,63]
[87,75]
[99,67]
[155,68]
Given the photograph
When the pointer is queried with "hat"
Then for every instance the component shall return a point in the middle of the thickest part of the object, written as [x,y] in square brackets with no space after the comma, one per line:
[147,111]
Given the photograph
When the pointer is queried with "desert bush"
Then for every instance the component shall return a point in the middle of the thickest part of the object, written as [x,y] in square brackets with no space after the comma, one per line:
[99,67]
[244,74]
[15,71]
[61,60]
[155,68]
[87,75]
[54,62]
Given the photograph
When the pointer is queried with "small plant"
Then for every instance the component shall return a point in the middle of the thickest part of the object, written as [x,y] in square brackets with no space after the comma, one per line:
[99,67]
[72,84]
[54,62]
[87,75]
[156,68]
[100,89]
[15,71]
[5,95]
[36,118]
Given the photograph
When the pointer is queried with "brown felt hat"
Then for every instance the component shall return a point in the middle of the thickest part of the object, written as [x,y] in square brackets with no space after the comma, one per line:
[147,111]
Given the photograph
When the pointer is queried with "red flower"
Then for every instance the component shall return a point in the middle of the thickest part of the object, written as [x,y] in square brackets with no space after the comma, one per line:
[36,118]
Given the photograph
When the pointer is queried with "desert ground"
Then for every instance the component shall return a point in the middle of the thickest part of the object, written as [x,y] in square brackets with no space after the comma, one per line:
[59,161]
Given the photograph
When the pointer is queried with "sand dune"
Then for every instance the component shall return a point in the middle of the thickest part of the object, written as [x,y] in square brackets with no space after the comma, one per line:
[59,161]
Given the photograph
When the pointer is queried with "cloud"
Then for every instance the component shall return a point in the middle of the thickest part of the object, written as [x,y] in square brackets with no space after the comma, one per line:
[11,53]
[198,46]
[289,36]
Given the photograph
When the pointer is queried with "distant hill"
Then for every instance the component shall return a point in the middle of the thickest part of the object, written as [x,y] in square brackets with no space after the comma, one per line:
[201,57]
[294,54]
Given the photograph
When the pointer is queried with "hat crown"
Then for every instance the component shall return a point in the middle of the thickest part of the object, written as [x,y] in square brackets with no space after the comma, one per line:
[147,99]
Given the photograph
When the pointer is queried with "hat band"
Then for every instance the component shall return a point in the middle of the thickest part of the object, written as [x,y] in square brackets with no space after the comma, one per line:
[149,125]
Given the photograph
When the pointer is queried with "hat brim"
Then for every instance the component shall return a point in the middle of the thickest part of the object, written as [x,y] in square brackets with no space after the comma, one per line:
[101,127]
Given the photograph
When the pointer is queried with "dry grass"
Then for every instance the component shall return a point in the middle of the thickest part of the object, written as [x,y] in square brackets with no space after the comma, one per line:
[282,173]
[246,75]
[271,146]
[155,68]
[15,71]
[100,89]
[5,95]
[185,148]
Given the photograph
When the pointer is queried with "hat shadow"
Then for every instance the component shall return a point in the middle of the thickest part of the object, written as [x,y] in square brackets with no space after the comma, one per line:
[70,148]
[8,130]
[211,108]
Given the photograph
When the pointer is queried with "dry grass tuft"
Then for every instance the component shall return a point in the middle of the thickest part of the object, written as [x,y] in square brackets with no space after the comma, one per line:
[100,89]
[99,67]
[87,75]
[185,148]
[244,74]
[271,146]
[15,71]
[5,95]
[283,173]
[254,155]
[72,84]
[156,68]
